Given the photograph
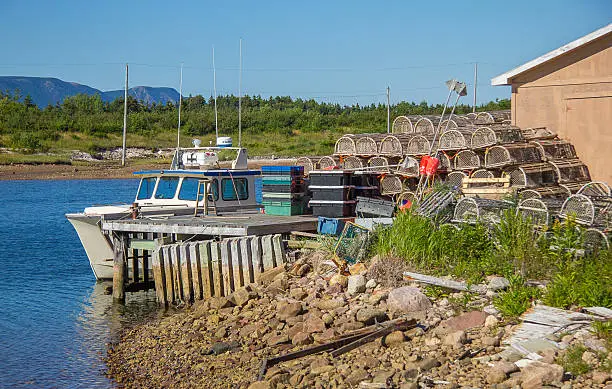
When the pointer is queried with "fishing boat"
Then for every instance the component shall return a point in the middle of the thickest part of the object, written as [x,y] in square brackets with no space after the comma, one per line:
[194,181]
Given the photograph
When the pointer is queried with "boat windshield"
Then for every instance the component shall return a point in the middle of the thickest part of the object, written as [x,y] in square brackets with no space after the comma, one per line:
[166,188]
[189,189]
[145,191]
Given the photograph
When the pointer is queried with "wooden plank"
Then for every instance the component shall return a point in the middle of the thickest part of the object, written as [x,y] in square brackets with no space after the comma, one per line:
[142,244]
[169,272]
[279,249]
[135,265]
[257,256]
[267,252]
[196,270]
[303,244]
[484,180]
[217,269]
[208,287]
[227,265]
[187,277]
[176,269]
[119,268]
[451,284]
[247,259]
[159,276]
[237,263]
[305,234]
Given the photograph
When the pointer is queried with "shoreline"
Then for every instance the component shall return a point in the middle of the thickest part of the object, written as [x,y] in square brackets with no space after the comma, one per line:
[99,170]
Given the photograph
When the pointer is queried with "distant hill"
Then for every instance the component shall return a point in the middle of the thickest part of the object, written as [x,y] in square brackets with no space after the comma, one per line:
[45,90]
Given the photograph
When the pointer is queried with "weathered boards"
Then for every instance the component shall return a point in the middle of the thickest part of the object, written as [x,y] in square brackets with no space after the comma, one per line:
[189,271]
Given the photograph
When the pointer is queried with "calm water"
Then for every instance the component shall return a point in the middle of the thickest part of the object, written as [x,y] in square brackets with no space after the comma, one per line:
[54,318]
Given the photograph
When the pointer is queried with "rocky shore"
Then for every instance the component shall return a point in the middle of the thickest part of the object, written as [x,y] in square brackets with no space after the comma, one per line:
[220,343]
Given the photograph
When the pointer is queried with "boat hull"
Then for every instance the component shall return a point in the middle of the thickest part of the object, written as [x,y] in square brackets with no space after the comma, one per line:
[98,249]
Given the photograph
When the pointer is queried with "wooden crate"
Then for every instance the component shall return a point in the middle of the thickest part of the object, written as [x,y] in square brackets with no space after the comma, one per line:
[488,188]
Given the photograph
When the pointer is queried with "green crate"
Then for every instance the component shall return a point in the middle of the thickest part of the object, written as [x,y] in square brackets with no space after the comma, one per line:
[278,180]
[283,208]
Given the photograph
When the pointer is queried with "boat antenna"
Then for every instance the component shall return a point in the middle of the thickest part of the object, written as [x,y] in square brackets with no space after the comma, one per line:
[178,132]
[240,99]
[125,107]
[215,92]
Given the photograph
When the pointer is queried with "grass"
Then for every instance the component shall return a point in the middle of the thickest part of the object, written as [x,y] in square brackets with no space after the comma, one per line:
[517,298]
[572,361]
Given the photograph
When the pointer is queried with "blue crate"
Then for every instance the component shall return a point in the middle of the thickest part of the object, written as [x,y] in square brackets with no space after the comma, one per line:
[330,226]
[282,170]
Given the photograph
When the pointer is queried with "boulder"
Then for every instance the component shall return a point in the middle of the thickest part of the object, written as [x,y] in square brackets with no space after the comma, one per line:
[491,321]
[394,338]
[301,339]
[407,299]
[339,279]
[268,276]
[463,322]
[314,324]
[285,310]
[356,284]
[456,338]
[371,315]
[261,385]
[498,283]
[330,304]
[537,374]
[242,295]
[371,284]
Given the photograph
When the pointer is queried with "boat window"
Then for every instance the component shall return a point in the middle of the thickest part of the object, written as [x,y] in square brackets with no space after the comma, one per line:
[189,189]
[232,189]
[166,187]
[146,188]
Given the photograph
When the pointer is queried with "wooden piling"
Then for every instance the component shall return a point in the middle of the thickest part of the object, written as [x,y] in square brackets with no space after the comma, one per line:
[159,276]
[119,268]
[146,257]
[217,266]
[257,255]
[237,262]
[227,266]
[186,274]
[279,252]
[269,261]
[247,260]
[206,267]
[169,272]
[196,270]
[176,268]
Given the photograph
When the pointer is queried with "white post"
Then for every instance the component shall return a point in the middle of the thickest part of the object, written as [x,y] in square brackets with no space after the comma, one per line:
[388,110]
[475,83]
[240,99]
[178,132]
[215,92]
[125,98]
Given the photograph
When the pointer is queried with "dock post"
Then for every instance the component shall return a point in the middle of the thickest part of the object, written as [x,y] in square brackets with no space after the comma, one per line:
[159,275]
[119,268]
[135,272]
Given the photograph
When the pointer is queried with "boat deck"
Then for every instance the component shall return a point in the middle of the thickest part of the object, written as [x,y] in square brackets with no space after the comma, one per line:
[234,224]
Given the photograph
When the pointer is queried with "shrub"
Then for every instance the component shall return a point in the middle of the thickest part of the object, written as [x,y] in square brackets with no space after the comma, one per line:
[572,361]
[517,298]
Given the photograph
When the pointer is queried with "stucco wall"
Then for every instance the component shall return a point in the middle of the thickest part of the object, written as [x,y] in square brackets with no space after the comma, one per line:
[572,95]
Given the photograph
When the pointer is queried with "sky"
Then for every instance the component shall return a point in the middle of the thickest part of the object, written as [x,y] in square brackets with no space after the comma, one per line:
[336,51]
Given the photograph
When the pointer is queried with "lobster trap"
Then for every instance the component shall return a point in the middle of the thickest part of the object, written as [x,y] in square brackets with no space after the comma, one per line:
[596,240]
[424,126]
[590,211]
[540,211]
[418,145]
[492,117]
[353,163]
[532,175]
[537,133]
[467,160]
[402,125]
[552,149]
[570,170]
[409,167]
[484,137]
[309,164]
[455,179]
[454,140]
[448,124]
[391,184]
[512,154]
[482,173]
[352,245]
[367,145]
[445,162]
[595,188]
[328,162]
[558,192]
[475,209]
[394,145]
[378,165]
[345,145]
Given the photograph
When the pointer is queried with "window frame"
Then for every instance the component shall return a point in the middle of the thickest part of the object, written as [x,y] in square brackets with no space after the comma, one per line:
[234,189]
[175,189]
[152,193]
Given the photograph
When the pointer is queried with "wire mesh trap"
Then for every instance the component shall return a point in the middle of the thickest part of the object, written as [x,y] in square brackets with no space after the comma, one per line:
[482,173]
[573,187]
[345,145]
[352,244]
[537,133]
[424,126]
[467,160]
[418,145]
[309,163]
[448,124]
[489,136]
[596,240]
[558,192]
[402,125]
[512,154]
[409,167]
[390,184]
[580,207]
[532,175]
[352,162]
[438,204]
[367,145]
[492,117]
[394,145]
[595,188]
[378,165]
[474,209]
[328,162]
[540,211]
[570,170]
[455,179]
[454,140]
[552,149]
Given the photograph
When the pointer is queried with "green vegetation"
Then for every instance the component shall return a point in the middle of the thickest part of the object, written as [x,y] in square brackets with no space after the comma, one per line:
[514,249]
[278,125]
[571,360]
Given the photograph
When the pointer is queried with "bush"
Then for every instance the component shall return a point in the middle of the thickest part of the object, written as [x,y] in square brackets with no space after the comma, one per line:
[517,298]
[27,141]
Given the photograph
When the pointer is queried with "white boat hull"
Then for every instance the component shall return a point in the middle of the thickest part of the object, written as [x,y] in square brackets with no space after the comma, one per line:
[98,249]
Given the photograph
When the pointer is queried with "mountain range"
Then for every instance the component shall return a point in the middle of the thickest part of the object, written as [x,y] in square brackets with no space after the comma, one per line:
[46,90]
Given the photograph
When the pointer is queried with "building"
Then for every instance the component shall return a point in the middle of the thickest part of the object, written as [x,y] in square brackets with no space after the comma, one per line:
[569,91]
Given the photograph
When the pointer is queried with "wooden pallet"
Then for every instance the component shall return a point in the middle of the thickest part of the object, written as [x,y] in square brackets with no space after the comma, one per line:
[488,188]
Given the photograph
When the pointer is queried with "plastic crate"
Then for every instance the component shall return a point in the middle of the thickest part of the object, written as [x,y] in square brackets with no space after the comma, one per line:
[292,187]
[332,208]
[374,207]
[332,193]
[367,191]
[280,196]
[278,180]
[330,226]
[282,170]
[283,208]
[330,177]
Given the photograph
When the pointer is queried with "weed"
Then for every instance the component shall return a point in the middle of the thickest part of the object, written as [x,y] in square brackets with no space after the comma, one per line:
[515,238]
[572,361]
[436,292]
[603,329]
[517,298]
[462,301]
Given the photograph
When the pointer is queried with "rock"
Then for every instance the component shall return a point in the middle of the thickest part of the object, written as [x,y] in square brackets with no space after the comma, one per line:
[490,341]
[394,338]
[326,336]
[500,371]
[590,358]
[407,299]
[491,310]
[368,362]
[222,347]
[371,284]
[298,293]
[371,315]
[261,385]
[303,270]
[383,377]
[242,295]
[221,333]
[495,376]
[463,322]
[537,374]
[330,304]
[286,310]
[277,339]
[301,339]
[408,385]
[314,324]
[491,321]
[498,283]
[277,286]
[600,377]
[455,339]
[268,276]
[376,297]
[298,327]
[221,302]
[358,268]
[356,376]
[356,284]
[339,279]
[428,364]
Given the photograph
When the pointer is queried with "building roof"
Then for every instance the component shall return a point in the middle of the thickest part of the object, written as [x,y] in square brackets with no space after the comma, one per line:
[506,78]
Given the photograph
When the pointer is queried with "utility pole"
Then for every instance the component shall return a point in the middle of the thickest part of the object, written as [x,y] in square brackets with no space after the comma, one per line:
[240,99]
[215,91]
[125,97]
[388,110]
[475,84]
[178,132]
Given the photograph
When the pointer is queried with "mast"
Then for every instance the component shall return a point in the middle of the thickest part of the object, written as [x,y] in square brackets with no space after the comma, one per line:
[215,92]
[475,85]
[388,110]
[178,132]
[125,97]
[240,99]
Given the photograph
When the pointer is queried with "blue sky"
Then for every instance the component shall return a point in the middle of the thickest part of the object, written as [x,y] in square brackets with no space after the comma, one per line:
[341,51]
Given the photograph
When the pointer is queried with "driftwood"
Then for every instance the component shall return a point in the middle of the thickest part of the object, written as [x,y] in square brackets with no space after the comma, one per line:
[450,284]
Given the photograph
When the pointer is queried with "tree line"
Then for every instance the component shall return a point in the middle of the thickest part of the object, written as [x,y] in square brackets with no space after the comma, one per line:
[24,125]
